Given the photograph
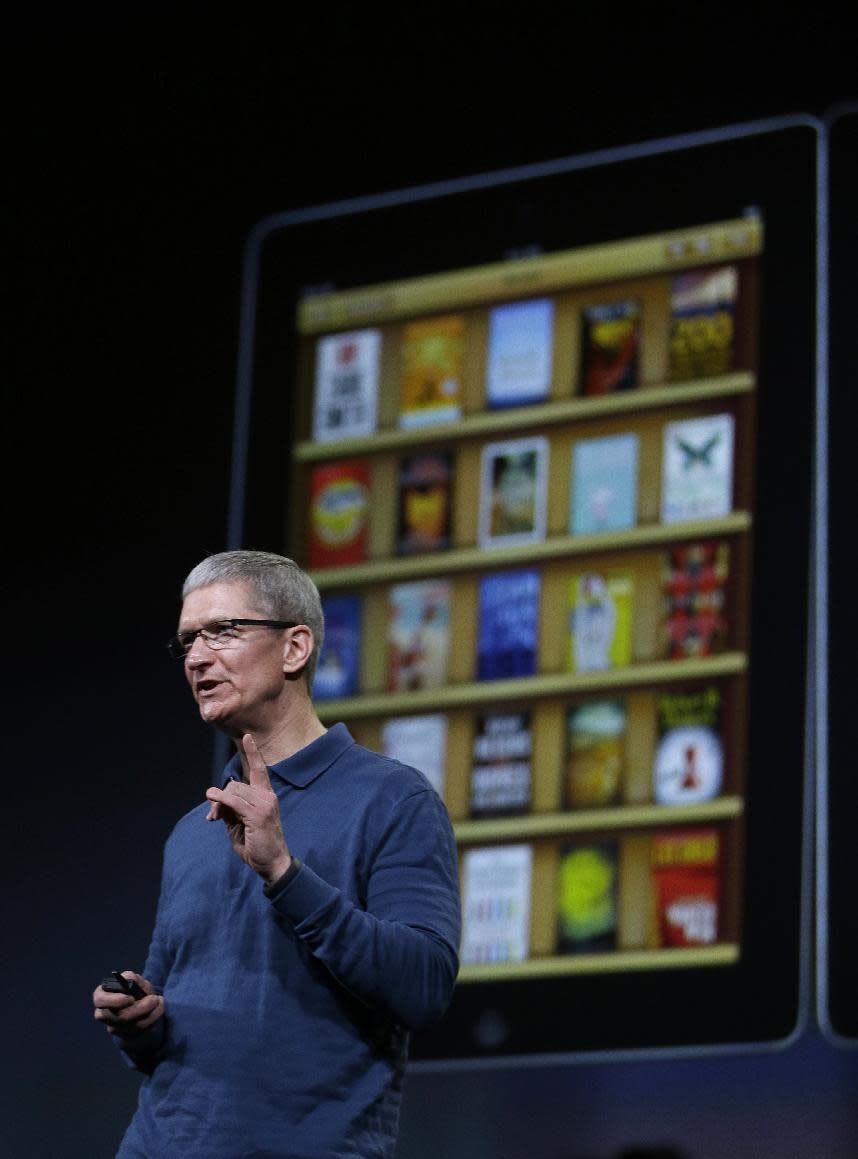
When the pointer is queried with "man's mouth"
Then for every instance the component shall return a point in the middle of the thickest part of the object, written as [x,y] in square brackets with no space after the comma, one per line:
[204,686]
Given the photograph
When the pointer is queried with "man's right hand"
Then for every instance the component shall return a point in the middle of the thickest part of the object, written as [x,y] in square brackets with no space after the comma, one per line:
[125,1016]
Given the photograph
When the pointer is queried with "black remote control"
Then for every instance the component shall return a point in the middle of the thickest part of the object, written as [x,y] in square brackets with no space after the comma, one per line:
[117,983]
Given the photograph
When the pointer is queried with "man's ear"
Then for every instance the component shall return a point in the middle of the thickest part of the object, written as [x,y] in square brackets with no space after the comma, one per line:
[297,649]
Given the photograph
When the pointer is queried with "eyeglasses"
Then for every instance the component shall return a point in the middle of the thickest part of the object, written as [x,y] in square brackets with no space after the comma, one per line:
[218,634]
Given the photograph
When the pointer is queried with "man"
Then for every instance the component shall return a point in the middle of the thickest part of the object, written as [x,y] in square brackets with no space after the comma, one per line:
[297,943]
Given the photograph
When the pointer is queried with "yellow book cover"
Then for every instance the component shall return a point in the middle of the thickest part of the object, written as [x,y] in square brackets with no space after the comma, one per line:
[432,354]
[600,621]
[596,736]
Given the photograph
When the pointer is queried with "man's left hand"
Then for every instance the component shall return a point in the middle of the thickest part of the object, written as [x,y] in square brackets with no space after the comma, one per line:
[251,812]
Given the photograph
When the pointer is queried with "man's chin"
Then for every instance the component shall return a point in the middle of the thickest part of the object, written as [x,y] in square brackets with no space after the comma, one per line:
[214,712]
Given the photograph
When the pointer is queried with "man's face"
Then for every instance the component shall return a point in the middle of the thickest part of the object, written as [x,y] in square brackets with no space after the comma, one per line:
[239,687]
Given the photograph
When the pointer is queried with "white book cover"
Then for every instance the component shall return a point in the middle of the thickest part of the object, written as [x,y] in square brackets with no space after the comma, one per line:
[496,904]
[604,483]
[697,468]
[421,742]
[418,634]
[513,488]
[345,398]
[521,340]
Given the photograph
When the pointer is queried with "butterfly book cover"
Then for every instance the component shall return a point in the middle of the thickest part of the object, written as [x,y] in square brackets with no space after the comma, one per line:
[697,468]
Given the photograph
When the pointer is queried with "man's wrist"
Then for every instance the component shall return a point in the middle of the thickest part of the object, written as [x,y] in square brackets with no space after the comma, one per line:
[274,887]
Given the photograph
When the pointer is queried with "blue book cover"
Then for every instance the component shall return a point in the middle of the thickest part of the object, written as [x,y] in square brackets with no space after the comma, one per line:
[508,624]
[338,670]
[604,484]
[520,349]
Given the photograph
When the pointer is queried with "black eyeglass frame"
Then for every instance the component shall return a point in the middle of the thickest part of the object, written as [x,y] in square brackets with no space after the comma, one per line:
[180,645]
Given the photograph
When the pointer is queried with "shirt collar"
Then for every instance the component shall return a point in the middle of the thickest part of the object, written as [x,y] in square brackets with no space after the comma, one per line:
[307,764]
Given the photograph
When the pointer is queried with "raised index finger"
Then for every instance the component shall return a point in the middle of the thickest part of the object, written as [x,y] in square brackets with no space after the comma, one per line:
[257,773]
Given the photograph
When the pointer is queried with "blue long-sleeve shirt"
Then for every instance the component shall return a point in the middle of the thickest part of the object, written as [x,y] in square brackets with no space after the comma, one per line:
[287,1017]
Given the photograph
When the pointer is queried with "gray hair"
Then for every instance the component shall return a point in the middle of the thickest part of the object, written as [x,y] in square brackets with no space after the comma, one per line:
[279,587]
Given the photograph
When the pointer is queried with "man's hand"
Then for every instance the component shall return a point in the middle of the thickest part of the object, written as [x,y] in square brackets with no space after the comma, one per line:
[251,812]
[125,1016]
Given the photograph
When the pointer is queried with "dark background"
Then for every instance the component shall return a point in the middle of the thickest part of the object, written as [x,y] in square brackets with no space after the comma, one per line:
[138,156]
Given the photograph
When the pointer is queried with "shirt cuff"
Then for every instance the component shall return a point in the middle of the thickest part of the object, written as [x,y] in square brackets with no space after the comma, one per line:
[275,887]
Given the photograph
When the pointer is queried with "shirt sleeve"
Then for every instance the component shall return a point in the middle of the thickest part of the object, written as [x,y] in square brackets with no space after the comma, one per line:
[145,1052]
[400,952]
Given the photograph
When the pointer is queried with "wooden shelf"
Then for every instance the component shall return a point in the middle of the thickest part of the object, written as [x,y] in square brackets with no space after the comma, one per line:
[519,419]
[658,672]
[621,961]
[557,547]
[640,552]
[527,827]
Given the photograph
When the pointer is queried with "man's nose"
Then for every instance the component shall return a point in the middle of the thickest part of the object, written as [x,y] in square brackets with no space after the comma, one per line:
[198,654]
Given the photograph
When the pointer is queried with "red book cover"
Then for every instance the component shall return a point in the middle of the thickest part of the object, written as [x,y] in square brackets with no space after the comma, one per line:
[686,886]
[694,579]
[339,512]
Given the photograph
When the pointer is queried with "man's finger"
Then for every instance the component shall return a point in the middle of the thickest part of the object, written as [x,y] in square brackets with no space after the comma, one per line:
[257,773]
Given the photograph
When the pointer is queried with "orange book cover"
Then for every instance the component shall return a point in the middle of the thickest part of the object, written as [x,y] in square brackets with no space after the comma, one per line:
[686,886]
[339,512]
[432,355]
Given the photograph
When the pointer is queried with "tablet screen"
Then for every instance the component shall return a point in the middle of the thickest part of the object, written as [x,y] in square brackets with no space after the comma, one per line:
[545,441]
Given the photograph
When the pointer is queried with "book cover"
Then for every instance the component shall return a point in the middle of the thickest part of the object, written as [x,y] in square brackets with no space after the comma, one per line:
[610,345]
[500,772]
[513,484]
[587,897]
[686,886]
[596,739]
[604,484]
[432,355]
[694,578]
[496,885]
[424,503]
[421,742]
[689,754]
[418,634]
[345,394]
[703,322]
[600,621]
[697,468]
[519,357]
[339,513]
[338,669]
[508,623]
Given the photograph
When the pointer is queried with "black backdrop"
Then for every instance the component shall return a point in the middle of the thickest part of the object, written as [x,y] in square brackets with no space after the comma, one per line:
[138,156]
